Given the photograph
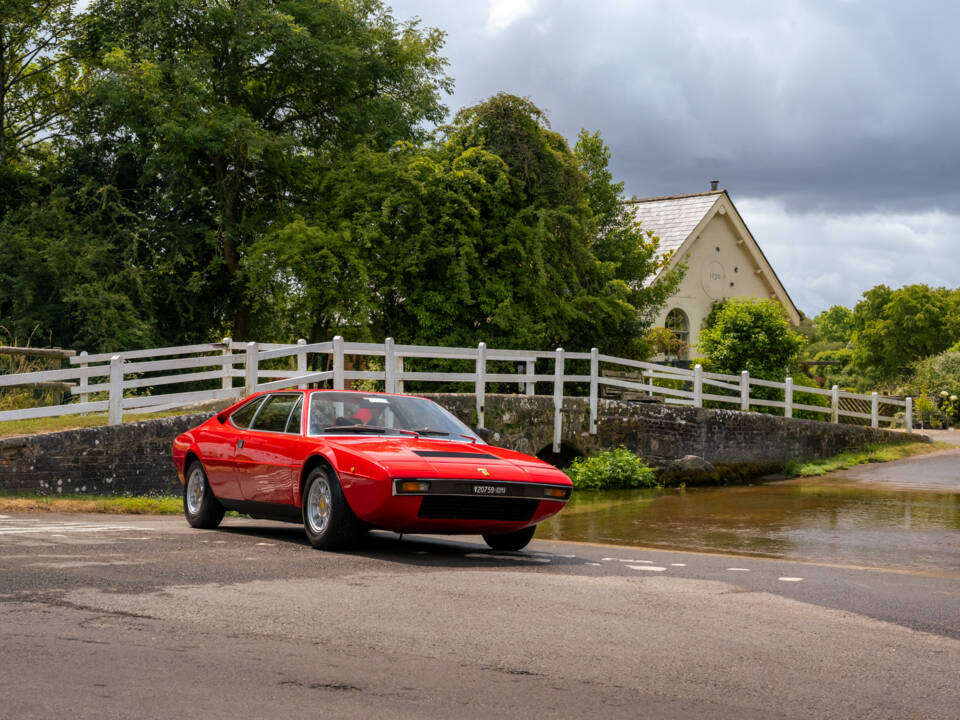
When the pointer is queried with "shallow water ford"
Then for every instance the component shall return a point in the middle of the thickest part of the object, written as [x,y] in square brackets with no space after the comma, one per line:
[809,521]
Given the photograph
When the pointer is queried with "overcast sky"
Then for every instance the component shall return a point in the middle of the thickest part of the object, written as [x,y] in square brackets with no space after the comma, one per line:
[834,125]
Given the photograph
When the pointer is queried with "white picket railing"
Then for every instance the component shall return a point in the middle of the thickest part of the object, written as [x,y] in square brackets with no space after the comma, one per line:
[114,373]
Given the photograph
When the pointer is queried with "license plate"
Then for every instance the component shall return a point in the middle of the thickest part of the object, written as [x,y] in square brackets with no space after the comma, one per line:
[489,490]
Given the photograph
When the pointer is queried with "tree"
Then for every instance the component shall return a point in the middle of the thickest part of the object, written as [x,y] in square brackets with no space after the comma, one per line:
[894,328]
[35,69]
[751,334]
[489,232]
[835,324]
[218,118]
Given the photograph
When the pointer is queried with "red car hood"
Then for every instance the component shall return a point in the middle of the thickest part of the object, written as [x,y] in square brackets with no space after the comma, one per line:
[420,457]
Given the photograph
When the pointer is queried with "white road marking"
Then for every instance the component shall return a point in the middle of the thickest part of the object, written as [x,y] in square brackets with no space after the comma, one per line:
[790,579]
[521,558]
[266,544]
[739,569]
[629,560]
[4,517]
[57,529]
[678,564]
[594,564]
[651,568]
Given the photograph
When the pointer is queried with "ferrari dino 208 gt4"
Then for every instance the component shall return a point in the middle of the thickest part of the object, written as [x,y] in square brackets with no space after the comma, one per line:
[341,462]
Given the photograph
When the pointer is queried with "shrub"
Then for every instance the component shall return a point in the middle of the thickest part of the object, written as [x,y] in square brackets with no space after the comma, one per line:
[611,469]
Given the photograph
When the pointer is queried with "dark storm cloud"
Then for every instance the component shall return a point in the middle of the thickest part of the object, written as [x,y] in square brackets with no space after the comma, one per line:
[837,106]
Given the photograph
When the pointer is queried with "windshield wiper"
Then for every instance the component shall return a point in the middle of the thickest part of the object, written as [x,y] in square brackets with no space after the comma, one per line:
[368,428]
[431,431]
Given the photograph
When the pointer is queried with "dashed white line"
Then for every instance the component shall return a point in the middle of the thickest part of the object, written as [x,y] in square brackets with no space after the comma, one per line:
[739,569]
[594,564]
[790,579]
[678,564]
[266,544]
[649,568]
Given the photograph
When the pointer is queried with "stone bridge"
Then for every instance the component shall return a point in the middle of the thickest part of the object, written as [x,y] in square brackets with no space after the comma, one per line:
[135,457]
[661,433]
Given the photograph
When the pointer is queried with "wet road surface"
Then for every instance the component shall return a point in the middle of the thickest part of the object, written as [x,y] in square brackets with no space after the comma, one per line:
[122,617]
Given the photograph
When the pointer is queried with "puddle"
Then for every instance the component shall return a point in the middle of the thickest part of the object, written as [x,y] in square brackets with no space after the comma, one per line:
[806,521]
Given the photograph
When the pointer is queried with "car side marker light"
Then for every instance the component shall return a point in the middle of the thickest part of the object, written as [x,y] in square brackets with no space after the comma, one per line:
[559,493]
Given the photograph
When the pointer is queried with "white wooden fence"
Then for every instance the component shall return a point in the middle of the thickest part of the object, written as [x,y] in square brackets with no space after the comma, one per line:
[109,376]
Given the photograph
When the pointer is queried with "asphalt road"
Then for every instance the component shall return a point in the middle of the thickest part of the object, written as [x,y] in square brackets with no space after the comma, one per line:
[142,617]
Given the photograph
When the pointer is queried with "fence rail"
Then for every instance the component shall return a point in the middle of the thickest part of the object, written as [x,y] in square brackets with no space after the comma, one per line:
[140,371]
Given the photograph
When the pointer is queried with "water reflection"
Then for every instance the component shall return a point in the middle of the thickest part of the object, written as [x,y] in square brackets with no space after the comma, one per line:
[811,521]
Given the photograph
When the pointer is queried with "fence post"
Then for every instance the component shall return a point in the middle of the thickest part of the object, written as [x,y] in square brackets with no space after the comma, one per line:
[389,367]
[226,381]
[594,372]
[302,363]
[874,410]
[788,398]
[398,383]
[338,362]
[531,369]
[251,368]
[481,384]
[745,391]
[835,404]
[557,399]
[909,415]
[115,407]
[84,380]
[698,385]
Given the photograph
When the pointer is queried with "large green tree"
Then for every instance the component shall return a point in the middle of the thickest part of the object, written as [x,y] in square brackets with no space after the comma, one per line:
[894,328]
[222,115]
[751,334]
[495,230]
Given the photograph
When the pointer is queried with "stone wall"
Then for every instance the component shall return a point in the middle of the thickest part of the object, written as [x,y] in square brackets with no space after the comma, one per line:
[136,457]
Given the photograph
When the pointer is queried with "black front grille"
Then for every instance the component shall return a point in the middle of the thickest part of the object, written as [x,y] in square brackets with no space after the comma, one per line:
[452,507]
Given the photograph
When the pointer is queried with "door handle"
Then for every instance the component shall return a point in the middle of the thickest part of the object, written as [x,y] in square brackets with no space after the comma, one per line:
[239,443]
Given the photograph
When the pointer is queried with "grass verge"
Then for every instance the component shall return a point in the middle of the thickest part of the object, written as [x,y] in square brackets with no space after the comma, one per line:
[110,504]
[869,454]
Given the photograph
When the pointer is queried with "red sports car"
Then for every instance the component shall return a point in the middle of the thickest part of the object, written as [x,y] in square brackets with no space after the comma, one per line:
[341,462]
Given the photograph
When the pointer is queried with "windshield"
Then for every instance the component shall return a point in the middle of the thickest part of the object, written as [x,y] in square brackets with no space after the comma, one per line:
[346,413]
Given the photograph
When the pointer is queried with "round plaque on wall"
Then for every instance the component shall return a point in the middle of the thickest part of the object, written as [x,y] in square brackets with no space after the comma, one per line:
[712,280]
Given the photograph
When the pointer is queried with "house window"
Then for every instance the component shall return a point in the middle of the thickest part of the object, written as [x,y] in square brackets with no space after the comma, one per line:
[678,323]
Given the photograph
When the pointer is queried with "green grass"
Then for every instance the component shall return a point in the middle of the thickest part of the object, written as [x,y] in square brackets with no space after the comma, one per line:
[869,454]
[109,504]
[35,426]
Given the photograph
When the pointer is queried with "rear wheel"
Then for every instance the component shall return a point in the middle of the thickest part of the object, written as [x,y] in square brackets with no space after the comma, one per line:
[511,541]
[327,518]
[200,506]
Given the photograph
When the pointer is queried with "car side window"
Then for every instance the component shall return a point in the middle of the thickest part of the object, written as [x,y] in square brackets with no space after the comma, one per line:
[293,423]
[275,412]
[242,417]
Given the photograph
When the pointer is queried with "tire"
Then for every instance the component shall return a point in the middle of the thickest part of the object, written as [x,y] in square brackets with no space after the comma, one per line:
[200,506]
[517,540]
[327,518]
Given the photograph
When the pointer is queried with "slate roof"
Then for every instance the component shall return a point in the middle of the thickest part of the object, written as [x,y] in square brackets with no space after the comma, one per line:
[674,217]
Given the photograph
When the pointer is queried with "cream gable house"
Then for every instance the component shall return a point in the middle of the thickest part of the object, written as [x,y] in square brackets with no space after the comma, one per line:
[707,234]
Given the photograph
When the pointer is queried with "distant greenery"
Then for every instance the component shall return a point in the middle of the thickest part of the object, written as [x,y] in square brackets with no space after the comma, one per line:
[834,325]
[894,328]
[610,470]
[869,454]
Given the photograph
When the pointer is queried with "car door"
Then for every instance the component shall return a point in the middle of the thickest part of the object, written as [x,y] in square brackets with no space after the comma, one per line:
[217,444]
[267,455]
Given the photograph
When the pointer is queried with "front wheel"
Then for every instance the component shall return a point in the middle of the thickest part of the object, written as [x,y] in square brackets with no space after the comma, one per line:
[327,518]
[511,541]
[200,506]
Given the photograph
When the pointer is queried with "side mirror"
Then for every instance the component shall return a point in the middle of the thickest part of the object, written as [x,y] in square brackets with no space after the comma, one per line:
[484,433]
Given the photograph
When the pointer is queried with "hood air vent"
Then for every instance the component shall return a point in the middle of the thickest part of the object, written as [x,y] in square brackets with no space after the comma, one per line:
[452,454]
